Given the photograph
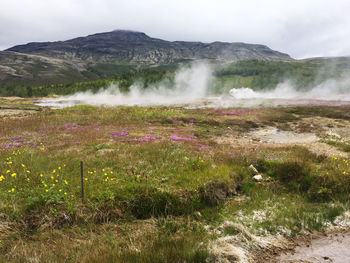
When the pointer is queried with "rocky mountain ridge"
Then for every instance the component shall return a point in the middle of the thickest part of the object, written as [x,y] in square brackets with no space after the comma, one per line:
[106,55]
[122,46]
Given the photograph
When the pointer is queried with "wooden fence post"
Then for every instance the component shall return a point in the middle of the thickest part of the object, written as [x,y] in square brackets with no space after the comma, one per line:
[82,180]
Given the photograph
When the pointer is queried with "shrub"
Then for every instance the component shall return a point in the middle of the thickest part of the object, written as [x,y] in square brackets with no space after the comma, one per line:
[150,202]
[295,176]
[214,193]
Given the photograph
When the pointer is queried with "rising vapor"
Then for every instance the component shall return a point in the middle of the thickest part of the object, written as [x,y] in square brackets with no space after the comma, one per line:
[332,89]
[191,85]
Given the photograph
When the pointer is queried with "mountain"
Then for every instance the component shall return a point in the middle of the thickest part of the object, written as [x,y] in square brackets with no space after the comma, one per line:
[136,47]
[28,69]
[109,54]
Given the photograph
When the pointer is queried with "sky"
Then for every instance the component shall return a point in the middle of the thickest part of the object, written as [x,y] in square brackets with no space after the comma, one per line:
[301,28]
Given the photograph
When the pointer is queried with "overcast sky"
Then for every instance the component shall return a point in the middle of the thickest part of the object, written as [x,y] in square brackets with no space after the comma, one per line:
[301,28]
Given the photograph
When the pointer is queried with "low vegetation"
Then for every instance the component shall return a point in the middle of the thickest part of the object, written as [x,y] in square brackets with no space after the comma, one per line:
[157,179]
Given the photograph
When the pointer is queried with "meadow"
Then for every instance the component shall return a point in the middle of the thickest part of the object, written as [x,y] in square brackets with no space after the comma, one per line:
[161,183]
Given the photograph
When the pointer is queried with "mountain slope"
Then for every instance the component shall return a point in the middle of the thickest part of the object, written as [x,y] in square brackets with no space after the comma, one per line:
[107,55]
[135,47]
[28,69]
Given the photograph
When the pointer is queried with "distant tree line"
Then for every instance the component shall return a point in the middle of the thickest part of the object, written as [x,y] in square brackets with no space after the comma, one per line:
[146,77]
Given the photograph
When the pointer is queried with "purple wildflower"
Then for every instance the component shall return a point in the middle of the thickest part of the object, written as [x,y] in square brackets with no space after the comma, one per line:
[71,126]
[236,112]
[201,146]
[178,122]
[145,139]
[19,138]
[34,144]
[11,145]
[116,134]
[178,138]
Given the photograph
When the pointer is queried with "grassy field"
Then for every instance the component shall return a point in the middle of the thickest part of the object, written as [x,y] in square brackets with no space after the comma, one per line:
[159,182]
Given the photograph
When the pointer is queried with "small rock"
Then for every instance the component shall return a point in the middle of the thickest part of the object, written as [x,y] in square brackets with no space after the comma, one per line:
[198,214]
[257,178]
[253,169]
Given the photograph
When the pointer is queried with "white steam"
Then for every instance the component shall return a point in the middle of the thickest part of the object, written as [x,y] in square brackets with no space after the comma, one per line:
[338,90]
[190,85]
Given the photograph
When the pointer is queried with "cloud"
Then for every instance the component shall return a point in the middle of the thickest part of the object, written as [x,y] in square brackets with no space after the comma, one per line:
[300,28]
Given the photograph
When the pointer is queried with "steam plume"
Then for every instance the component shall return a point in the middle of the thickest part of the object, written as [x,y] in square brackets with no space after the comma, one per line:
[190,85]
[331,89]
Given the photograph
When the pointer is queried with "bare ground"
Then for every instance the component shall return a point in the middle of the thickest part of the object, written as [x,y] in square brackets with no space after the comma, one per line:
[309,132]
[330,246]
[16,107]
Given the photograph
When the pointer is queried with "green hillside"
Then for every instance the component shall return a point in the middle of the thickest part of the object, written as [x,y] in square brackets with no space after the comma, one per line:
[258,75]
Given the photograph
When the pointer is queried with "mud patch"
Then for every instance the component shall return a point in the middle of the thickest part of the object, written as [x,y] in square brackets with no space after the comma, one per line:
[274,135]
[15,113]
[271,137]
[236,243]
[331,248]
[15,107]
